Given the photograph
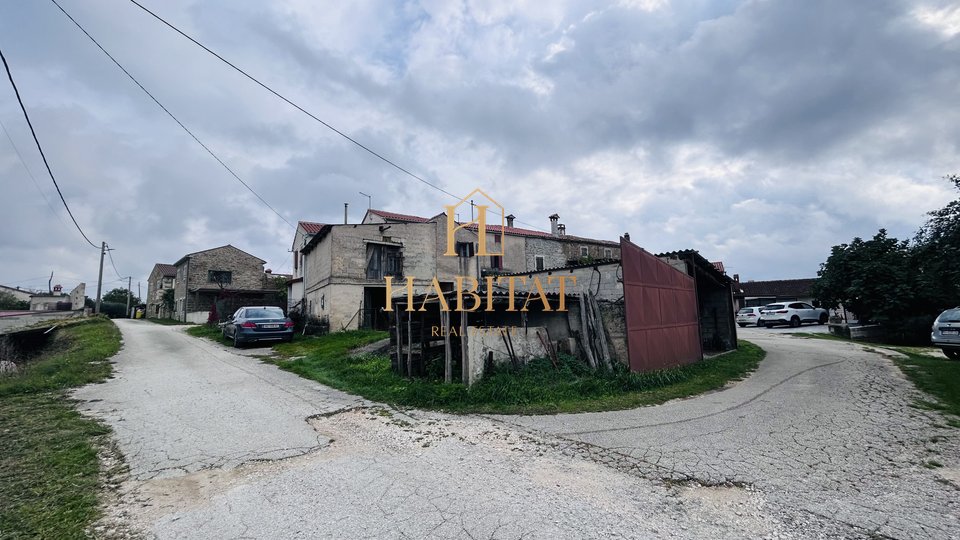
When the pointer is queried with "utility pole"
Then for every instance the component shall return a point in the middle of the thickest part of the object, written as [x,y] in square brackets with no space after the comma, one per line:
[129,279]
[103,251]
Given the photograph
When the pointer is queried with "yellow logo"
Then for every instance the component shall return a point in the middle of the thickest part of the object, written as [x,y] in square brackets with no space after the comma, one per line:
[480,221]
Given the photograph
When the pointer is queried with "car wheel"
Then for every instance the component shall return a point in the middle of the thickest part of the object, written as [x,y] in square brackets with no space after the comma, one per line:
[952,354]
[795,322]
[236,339]
[760,323]
[823,319]
[741,325]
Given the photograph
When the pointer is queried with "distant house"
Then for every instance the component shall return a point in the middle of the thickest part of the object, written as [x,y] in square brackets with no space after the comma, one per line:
[22,295]
[162,278]
[59,300]
[761,293]
[225,276]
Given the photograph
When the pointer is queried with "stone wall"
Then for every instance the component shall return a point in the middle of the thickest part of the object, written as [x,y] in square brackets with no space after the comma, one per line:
[483,342]
[550,249]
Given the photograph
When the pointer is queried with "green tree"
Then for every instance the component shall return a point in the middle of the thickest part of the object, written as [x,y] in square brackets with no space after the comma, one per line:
[9,301]
[119,296]
[937,256]
[872,278]
[167,300]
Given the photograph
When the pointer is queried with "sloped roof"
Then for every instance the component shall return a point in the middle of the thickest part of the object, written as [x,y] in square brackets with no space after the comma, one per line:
[796,288]
[310,227]
[166,270]
[188,255]
[695,256]
[398,217]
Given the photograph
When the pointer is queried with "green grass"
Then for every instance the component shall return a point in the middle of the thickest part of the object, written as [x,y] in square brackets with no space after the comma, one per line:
[209,332]
[935,375]
[49,471]
[537,388]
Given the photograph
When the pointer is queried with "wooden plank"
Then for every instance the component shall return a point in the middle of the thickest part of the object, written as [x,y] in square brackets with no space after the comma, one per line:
[409,345]
[447,350]
[585,334]
[464,359]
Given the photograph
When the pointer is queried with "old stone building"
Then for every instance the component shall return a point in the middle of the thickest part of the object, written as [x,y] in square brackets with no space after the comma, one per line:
[162,279]
[339,270]
[225,276]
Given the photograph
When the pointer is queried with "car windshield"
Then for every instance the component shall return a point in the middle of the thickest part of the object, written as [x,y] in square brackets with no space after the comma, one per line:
[773,306]
[264,313]
[746,310]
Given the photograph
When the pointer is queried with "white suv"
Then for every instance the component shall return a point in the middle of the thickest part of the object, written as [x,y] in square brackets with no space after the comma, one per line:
[792,313]
[748,315]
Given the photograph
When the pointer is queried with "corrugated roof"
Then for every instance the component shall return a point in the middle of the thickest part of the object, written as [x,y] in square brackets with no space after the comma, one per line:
[597,262]
[795,288]
[310,227]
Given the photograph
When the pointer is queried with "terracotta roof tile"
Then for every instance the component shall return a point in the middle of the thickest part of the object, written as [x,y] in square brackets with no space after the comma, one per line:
[310,227]
[399,217]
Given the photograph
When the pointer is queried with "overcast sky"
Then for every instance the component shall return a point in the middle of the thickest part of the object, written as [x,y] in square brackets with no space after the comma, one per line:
[760,133]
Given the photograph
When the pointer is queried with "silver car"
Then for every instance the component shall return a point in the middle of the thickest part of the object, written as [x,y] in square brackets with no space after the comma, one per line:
[946,333]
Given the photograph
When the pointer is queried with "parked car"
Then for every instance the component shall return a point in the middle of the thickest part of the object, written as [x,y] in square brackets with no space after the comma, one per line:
[748,315]
[792,313]
[946,333]
[257,323]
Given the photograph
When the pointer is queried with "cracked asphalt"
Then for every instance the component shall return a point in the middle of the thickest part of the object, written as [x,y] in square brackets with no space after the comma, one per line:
[822,441]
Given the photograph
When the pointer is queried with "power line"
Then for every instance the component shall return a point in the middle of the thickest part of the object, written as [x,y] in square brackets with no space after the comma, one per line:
[40,148]
[294,105]
[170,114]
[30,174]
[301,109]
[109,254]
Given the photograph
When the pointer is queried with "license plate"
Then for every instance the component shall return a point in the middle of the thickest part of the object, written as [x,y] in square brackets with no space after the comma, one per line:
[950,332]
[269,326]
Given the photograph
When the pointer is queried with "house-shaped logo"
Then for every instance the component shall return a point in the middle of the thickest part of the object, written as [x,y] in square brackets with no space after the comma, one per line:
[480,221]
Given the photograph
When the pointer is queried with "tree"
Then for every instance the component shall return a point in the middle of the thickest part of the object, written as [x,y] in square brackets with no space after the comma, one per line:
[119,296]
[937,255]
[871,278]
[898,284]
[280,284]
[167,300]
[9,301]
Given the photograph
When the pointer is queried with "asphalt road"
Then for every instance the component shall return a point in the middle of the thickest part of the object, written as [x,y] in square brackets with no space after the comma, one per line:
[821,442]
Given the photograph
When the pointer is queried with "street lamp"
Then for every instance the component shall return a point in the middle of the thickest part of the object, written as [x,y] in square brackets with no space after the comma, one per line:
[369,199]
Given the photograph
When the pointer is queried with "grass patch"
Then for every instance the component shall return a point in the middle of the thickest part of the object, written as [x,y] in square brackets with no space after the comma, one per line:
[49,471]
[209,332]
[535,389]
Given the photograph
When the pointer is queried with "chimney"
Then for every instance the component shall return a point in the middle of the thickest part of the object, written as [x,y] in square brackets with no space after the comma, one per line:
[269,271]
[345,205]
[553,224]
[736,277]
[626,236]
[562,229]
[510,219]
[57,289]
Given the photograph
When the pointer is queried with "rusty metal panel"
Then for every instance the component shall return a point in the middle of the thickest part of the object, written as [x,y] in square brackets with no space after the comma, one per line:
[661,311]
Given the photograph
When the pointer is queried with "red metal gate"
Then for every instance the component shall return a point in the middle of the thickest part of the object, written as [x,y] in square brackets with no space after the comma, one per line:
[663,329]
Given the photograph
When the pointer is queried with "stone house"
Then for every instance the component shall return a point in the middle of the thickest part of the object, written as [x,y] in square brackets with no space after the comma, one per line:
[225,276]
[22,295]
[339,270]
[162,278]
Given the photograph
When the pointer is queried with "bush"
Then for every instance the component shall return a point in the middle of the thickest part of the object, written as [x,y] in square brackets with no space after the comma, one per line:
[113,310]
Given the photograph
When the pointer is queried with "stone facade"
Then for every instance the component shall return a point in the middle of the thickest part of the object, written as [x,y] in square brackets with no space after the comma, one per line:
[202,280]
[331,263]
[162,278]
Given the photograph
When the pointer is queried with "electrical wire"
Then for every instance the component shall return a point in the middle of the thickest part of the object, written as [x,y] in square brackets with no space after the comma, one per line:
[33,132]
[109,254]
[301,109]
[30,174]
[171,115]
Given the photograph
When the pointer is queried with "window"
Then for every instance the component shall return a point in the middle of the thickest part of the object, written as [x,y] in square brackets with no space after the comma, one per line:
[584,251]
[464,249]
[384,261]
[496,261]
[296,258]
[539,261]
[608,253]
[220,277]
